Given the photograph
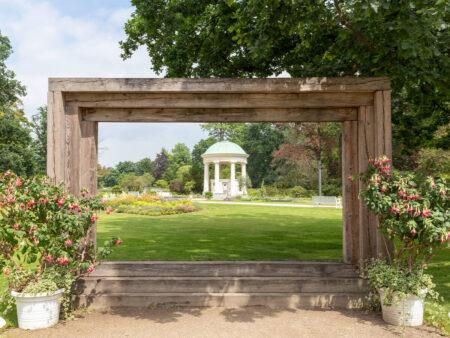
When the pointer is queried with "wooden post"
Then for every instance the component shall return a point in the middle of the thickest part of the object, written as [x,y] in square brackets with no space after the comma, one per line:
[56,137]
[350,208]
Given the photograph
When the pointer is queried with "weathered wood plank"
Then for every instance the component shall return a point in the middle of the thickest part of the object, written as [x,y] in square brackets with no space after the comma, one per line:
[216,85]
[183,100]
[88,158]
[55,137]
[72,149]
[219,115]
[350,192]
[387,123]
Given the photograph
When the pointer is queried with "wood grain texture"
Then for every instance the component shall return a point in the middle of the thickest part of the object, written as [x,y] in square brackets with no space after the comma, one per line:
[219,115]
[72,149]
[55,137]
[350,192]
[208,100]
[88,157]
[219,85]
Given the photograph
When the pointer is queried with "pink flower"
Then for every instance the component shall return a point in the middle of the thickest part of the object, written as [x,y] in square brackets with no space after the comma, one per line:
[414,197]
[402,194]
[413,232]
[16,226]
[49,259]
[30,203]
[35,241]
[68,243]
[395,210]
[383,189]
[18,182]
[118,242]
[109,210]
[84,193]
[22,205]
[426,213]
[94,218]
[60,202]
[90,269]
[63,261]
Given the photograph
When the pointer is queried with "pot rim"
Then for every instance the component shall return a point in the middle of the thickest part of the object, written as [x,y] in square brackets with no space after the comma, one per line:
[423,293]
[37,295]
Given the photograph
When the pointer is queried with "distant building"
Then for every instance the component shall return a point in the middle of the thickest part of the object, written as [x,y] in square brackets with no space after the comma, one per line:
[225,152]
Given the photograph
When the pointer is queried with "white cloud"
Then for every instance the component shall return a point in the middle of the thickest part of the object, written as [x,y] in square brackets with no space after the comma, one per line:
[49,43]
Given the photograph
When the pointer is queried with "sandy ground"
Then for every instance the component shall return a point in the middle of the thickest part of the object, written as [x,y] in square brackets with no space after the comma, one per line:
[220,322]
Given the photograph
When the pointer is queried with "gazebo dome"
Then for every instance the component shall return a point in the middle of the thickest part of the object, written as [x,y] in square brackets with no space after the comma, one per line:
[225,148]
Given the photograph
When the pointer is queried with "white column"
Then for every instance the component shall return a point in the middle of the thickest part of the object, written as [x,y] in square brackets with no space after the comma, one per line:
[217,189]
[244,177]
[205,177]
[233,190]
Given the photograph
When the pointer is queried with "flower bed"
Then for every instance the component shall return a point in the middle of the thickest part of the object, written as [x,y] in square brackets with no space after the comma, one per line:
[149,205]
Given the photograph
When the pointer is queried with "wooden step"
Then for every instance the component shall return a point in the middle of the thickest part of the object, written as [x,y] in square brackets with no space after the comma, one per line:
[103,285]
[223,269]
[228,300]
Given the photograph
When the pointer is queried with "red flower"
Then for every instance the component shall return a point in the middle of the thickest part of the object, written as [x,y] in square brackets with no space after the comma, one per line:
[68,243]
[403,194]
[109,210]
[426,213]
[30,203]
[395,210]
[43,200]
[60,202]
[90,269]
[413,232]
[84,193]
[383,189]
[63,261]
[118,242]
[18,182]
[94,218]
[49,259]
[16,226]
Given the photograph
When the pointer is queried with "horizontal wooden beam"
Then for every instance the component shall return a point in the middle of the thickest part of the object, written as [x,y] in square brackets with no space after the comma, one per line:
[220,85]
[275,101]
[219,115]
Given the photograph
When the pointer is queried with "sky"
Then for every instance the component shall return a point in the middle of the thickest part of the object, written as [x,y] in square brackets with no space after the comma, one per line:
[80,38]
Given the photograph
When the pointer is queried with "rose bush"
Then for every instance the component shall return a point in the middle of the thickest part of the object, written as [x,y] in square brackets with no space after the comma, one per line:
[413,214]
[44,235]
[413,210]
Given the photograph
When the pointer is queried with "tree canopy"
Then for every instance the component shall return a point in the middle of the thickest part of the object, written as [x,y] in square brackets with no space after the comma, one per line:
[407,41]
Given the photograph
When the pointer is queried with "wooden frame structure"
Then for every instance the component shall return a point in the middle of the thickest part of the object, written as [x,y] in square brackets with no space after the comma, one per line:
[363,105]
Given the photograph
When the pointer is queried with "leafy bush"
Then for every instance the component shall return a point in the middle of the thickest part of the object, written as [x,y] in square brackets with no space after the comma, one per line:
[117,189]
[399,282]
[163,184]
[413,214]
[208,195]
[44,232]
[298,192]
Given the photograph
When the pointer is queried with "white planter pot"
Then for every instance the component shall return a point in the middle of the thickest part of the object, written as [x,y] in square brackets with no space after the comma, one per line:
[37,311]
[404,312]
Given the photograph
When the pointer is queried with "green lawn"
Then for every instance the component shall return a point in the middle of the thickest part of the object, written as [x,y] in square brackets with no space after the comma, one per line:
[228,232]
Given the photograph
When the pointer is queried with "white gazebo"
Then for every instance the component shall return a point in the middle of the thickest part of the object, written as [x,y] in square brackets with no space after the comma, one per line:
[225,152]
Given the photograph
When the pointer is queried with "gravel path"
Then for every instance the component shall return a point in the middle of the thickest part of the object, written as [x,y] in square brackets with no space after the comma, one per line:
[220,322]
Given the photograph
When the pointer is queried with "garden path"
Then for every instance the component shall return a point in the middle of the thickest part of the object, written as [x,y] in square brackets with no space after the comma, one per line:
[219,322]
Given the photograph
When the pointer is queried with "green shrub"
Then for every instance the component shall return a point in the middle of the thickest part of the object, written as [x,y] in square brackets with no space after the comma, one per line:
[208,195]
[117,189]
[163,184]
[298,191]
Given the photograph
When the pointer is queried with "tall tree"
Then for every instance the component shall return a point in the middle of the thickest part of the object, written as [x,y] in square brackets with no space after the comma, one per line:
[144,166]
[407,41]
[10,89]
[160,164]
[225,131]
[261,140]
[40,139]
[307,146]
[16,153]
[180,156]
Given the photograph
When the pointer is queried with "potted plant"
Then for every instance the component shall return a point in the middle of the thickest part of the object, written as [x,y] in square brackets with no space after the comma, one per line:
[44,246]
[413,213]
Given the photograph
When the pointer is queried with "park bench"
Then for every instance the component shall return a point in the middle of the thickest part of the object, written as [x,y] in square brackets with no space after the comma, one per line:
[327,200]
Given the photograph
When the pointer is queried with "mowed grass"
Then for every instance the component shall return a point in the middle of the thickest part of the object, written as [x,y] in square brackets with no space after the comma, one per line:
[228,232]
